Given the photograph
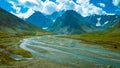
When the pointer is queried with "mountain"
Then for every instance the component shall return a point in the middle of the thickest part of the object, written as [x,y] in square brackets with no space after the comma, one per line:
[109,39]
[102,21]
[117,26]
[115,29]
[39,20]
[55,15]
[10,23]
[71,23]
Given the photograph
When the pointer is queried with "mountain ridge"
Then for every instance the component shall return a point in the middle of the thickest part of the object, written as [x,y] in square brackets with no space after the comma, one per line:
[102,21]
[70,23]
[39,20]
[12,24]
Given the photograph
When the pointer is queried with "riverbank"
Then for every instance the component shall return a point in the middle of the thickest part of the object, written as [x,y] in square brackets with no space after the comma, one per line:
[55,52]
[110,41]
[70,52]
[10,43]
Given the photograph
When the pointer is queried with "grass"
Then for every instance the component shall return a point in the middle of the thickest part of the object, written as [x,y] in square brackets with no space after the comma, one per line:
[39,64]
[10,43]
[109,40]
[4,59]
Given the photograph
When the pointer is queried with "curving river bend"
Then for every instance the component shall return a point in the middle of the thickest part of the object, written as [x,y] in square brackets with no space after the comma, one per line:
[70,52]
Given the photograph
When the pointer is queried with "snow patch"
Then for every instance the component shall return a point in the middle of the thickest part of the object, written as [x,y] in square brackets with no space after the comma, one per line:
[45,28]
[116,17]
[53,20]
[98,23]
[99,18]
[106,22]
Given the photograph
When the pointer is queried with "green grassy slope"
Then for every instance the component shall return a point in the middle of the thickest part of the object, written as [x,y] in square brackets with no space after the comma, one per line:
[12,24]
[109,39]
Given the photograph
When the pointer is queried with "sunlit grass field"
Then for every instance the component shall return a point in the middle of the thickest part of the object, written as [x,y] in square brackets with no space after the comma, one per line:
[108,40]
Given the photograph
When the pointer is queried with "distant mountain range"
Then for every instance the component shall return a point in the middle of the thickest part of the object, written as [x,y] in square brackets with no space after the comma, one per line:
[55,15]
[40,20]
[43,21]
[12,24]
[102,21]
[71,23]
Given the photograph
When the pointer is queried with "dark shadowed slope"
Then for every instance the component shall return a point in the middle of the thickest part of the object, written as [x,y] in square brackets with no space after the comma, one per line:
[12,24]
[39,20]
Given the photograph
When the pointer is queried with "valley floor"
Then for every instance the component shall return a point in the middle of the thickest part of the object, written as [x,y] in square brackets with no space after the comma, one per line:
[9,49]
[54,52]
[109,41]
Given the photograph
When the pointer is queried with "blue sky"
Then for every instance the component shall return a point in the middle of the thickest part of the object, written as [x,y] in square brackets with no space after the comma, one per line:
[25,8]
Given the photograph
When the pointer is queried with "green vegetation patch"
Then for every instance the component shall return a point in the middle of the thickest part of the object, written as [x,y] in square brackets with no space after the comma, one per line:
[10,42]
[108,40]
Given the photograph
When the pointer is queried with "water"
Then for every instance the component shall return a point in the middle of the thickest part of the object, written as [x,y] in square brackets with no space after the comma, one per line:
[70,52]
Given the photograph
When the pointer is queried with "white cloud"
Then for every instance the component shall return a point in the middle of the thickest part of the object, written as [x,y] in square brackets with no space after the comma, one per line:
[31,1]
[116,2]
[18,9]
[49,7]
[62,1]
[15,7]
[70,5]
[64,5]
[83,7]
[83,2]
[102,4]
[24,15]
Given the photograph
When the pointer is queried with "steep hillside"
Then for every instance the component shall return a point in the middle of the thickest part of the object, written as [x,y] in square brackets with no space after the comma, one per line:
[12,30]
[71,23]
[39,20]
[115,28]
[12,24]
